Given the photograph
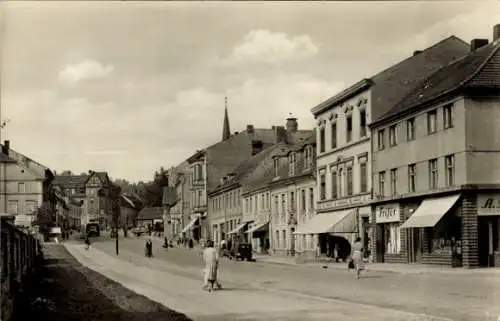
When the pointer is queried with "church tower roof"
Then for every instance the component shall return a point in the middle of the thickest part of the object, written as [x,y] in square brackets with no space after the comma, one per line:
[226,131]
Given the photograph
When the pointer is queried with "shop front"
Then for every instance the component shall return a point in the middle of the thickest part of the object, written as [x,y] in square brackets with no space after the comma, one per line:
[488,212]
[333,232]
[388,233]
[433,232]
[237,234]
[258,235]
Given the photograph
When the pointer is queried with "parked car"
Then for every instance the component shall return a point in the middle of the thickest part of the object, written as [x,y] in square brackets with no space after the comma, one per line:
[139,230]
[93,229]
[242,251]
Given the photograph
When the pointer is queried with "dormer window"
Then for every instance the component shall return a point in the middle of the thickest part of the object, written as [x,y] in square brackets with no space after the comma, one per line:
[291,164]
[276,167]
[308,157]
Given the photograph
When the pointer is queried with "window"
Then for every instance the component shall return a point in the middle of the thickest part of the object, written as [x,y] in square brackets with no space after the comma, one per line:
[311,198]
[363,177]
[448,116]
[333,129]
[362,123]
[21,188]
[322,187]
[381,183]
[322,140]
[411,178]
[291,164]
[349,181]
[341,186]
[433,173]
[276,203]
[303,200]
[334,185]
[410,129]
[12,207]
[276,167]
[392,136]
[431,122]
[392,238]
[307,157]
[283,203]
[394,181]
[30,207]
[449,162]
[381,140]
[349,128]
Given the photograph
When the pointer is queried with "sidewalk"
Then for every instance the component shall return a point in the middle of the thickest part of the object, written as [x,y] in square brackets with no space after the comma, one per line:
[380,267]
[184,294]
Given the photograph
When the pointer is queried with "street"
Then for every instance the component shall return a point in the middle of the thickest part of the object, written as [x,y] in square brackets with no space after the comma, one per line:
[454,297]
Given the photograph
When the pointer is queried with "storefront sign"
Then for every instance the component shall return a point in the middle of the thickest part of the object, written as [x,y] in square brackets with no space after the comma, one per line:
[387,213]
[356,200]
[488,205]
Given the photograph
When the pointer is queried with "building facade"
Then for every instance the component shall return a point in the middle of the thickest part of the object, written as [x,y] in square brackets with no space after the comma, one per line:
[179,213]
[435,167]
[21,188]
[292,197]
[344,146]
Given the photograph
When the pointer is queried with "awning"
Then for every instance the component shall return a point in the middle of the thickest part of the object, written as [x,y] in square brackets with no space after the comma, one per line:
[190,225]
[431,211]
[337,222]
[257,228]
[238,228]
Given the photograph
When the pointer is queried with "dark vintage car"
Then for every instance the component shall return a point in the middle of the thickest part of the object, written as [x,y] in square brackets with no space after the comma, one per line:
[242,251]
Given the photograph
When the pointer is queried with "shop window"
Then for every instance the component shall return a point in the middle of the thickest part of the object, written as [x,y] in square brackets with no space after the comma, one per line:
[445,235]
[392,235]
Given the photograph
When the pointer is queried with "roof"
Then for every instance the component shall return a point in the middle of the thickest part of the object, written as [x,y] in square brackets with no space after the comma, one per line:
[391,85]
[248,166]
[150,213]
[479,69]
[70,180]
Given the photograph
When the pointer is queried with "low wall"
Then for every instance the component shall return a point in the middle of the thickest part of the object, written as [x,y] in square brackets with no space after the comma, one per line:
[19,255]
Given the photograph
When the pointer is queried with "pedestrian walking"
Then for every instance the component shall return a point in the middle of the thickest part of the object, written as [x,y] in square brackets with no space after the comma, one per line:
[149,248]
[357,256]
[191,243]
[87,243]
[165,242]
[211,262]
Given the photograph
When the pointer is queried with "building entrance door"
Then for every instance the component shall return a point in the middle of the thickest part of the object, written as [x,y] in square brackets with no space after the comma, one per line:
[487,240]
[415,244]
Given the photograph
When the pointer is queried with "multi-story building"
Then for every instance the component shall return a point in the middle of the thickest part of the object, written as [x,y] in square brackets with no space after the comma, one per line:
[209,165]
[436,166]
[226,204]
[344,149]
[178,214]
[21,187]
[85,188]
[292,190]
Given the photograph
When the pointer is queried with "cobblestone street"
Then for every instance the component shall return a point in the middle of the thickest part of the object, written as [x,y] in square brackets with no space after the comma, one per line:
[251,286]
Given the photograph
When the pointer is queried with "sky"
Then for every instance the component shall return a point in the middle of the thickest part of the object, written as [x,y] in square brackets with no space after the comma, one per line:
[128,87]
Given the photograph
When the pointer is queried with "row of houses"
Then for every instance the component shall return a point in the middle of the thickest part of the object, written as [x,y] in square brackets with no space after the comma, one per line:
[32,193]
[406,159]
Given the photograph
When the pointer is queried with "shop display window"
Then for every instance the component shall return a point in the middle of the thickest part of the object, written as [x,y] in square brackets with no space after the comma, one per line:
[392,235]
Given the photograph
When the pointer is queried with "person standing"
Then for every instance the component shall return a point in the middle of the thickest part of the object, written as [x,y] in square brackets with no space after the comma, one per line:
[357,256]
[87,243]
[211,262]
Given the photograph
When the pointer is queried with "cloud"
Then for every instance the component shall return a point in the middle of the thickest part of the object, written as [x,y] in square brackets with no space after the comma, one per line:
[269,47]
[85,70]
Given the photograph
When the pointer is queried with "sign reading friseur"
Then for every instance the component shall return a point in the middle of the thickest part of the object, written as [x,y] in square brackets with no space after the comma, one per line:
[488,204]
[387,213]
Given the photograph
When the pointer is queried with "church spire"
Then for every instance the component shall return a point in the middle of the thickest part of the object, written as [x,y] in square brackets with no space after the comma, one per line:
[226,132]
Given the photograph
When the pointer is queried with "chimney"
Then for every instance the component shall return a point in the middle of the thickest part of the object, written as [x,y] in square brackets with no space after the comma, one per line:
[496,32]
[417,52]
[223,180]
[291,125]
[477,43]
[6,147]
[280,134]
[250,129]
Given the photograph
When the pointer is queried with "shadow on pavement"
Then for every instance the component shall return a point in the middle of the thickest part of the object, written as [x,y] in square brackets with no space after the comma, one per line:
[63,289]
